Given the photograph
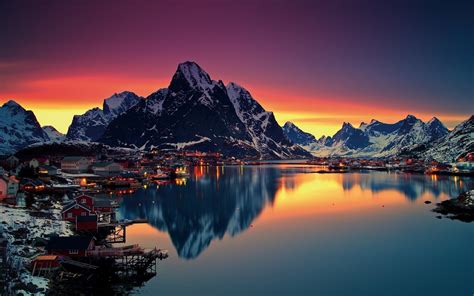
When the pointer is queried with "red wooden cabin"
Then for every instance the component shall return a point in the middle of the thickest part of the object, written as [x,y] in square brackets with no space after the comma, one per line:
[85,200]
[73,210]
[71,246]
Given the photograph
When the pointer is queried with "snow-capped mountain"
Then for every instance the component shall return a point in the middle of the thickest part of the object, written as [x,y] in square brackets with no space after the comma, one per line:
[296,135]
[53,134]
[457,143]
[378,139]
[91,125]
[196,112]
[18,128]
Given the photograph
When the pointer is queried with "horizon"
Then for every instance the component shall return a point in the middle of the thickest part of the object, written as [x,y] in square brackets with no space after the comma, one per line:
[172,168]
[313,63]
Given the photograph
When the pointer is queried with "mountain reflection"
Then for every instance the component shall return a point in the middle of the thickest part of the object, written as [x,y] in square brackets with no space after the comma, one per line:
[207,207]
[216,201]
[411,185]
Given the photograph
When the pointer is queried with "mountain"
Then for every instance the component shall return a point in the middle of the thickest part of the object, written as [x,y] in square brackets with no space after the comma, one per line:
[18,128]
[378,139]
[53,133]
[296,135]
[91,125]
[457,143]
[196,112]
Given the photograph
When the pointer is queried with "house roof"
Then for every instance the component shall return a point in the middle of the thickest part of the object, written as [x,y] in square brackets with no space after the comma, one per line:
[73,158]
[73,204]
[69,243]
[46,258]
[103,164]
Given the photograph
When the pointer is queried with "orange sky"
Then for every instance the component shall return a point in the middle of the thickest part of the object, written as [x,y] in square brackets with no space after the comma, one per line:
[317,63]
[56,100]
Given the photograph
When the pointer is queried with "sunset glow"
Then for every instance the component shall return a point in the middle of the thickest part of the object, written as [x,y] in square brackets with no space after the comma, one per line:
[386,72]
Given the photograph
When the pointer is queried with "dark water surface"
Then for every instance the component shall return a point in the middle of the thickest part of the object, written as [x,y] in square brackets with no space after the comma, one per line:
[284,230]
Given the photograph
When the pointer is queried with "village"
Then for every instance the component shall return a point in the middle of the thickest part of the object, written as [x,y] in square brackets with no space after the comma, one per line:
[59,227]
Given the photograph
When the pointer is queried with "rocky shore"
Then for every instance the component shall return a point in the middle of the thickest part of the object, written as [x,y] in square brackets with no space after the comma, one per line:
[460,208]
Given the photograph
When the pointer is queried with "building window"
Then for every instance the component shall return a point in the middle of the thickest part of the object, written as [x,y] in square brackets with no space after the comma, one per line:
[69,215]
[73,252]
[83,214]
[83,200]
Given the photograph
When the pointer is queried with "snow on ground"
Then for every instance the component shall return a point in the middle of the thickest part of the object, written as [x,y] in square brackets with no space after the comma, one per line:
[21,227]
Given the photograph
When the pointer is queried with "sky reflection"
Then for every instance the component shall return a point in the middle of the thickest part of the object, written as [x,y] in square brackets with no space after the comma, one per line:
[219,201]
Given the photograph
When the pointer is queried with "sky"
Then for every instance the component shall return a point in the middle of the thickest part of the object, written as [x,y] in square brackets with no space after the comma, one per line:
[316,63]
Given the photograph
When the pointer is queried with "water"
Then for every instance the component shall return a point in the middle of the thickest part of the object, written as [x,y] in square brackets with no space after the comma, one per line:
[283,230]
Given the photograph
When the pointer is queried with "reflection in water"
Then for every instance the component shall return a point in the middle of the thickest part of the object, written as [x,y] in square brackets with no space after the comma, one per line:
[207,207]
[412,186]
[216,201]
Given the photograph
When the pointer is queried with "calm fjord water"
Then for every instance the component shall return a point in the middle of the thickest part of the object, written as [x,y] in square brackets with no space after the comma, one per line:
[285,230]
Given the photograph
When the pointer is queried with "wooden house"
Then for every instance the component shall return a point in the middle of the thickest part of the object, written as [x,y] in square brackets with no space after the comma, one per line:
[75,164]
[8,186]
[45,264]
[71,246]
[85,200]
[74,209]
[107,169]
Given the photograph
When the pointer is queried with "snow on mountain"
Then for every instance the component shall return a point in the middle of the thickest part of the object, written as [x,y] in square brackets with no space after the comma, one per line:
[267,136]
[119,103]
[53,134]
[18,128]
[378,139]
[199,113]
[192,75]
[296,135]
[91,125]
[457,143]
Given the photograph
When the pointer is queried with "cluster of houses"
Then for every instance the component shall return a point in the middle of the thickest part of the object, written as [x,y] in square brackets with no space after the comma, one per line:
[464,165]
[86,212]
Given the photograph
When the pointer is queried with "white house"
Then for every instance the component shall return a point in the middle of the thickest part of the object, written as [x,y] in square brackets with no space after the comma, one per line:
[8,186]
[75,164]
[36,162]
[107,168]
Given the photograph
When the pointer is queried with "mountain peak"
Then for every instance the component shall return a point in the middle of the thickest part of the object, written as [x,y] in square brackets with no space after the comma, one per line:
[347,125]
[372,121]
[120,102]
[190,75]
[296,135]
[363,125]
[411,117]
[433,120]
[12,104]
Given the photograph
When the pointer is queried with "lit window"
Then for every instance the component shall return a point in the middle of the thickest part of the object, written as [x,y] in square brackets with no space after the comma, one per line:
[73,251]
